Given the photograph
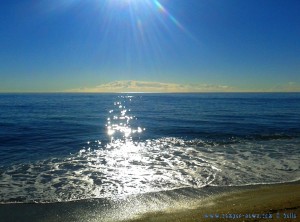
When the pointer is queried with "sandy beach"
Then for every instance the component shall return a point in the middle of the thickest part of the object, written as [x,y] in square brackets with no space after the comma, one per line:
[279,202]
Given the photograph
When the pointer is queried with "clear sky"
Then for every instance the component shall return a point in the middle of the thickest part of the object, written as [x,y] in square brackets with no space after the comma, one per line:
[213,45]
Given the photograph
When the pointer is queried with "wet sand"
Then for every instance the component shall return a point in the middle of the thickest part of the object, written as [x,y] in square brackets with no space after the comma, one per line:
[280,202]
[183,205]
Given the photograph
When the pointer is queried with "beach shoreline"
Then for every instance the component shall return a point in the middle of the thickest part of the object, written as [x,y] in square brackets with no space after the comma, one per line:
[272,202]
[244,203]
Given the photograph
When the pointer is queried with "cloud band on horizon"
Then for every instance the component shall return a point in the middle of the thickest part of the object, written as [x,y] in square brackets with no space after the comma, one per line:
[155,87]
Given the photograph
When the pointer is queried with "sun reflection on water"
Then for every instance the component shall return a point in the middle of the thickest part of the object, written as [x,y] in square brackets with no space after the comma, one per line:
[128,165]
[123,166]
[118,123]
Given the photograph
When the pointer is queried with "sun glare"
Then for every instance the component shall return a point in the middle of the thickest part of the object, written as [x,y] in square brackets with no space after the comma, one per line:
[127,2]
[142,5]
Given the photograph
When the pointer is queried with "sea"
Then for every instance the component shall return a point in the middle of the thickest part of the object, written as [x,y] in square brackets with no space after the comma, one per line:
[62,147]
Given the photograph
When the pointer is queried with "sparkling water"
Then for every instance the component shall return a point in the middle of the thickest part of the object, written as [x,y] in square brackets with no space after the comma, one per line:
[64,147]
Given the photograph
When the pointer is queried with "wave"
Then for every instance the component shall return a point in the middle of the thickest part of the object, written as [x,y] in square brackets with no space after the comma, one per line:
[127,167]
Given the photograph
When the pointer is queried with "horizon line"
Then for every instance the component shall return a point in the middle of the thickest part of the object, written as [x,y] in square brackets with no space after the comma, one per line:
[205,92]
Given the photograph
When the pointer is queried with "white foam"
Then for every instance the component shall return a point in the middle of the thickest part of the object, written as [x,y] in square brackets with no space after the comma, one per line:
[126,168]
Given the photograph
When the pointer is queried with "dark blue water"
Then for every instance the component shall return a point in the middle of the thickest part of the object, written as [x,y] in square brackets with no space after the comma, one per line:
[60,147]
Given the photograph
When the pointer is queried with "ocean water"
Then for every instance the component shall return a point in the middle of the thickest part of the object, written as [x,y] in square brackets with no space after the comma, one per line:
[65,147]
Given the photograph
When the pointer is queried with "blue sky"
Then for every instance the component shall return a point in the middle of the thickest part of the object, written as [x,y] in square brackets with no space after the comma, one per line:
[232,45]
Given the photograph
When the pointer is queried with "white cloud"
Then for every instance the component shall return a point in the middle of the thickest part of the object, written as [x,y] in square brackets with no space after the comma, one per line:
[287,87]
[143,86]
